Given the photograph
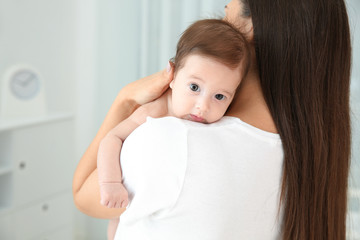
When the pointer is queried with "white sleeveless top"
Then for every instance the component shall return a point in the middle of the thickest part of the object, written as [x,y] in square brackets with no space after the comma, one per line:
[193,181]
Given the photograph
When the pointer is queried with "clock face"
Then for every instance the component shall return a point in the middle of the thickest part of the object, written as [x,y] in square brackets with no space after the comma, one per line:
[25,84]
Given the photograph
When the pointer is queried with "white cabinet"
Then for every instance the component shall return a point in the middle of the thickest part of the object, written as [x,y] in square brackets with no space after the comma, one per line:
[36,168]
[62,234]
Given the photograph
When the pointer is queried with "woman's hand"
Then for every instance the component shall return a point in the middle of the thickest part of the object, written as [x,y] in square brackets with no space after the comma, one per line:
[148,88]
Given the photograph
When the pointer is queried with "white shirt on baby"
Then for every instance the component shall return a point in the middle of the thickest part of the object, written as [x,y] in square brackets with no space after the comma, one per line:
[193,181]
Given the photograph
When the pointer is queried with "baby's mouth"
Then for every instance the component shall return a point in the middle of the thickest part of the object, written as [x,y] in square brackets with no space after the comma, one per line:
[196,118]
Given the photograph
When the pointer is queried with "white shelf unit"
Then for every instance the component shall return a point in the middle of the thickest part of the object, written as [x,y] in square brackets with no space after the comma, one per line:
[10,124]
[36,167]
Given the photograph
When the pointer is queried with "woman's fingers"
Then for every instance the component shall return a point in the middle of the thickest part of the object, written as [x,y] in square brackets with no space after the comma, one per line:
[155,85]
[149,88]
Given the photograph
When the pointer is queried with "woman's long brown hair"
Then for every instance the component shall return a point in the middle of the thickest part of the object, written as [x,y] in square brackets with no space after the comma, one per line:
[303,54]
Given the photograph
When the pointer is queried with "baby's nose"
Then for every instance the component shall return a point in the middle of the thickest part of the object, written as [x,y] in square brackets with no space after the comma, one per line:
[203,105]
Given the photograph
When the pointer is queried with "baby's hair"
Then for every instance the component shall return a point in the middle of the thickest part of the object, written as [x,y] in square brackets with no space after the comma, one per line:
[214,38]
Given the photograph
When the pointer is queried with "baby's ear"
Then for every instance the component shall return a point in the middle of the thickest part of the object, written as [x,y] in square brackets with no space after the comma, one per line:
[171,84]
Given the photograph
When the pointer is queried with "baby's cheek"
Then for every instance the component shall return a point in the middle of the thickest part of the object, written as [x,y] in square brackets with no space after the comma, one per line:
[180,110]
[220,113]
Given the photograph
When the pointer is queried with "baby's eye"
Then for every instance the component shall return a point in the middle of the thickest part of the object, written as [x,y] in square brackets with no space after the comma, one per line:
[194,87]
[219,97]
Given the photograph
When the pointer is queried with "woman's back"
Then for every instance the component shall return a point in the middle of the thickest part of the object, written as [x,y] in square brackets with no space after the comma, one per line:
[184,179]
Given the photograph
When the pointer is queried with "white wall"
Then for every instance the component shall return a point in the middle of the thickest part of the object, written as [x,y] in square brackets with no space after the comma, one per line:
[354,199]
[354,17]
[37,33]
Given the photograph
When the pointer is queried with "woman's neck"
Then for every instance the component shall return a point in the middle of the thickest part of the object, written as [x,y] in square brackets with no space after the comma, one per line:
[249,104]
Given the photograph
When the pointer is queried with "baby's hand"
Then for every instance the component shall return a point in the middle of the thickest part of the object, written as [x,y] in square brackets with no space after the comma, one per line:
[113,195]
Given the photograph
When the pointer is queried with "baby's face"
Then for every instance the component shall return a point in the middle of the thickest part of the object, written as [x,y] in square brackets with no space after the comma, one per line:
[203,89]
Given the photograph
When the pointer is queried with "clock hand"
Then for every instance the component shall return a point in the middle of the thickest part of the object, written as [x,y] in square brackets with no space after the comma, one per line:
[28,80]
[25,80]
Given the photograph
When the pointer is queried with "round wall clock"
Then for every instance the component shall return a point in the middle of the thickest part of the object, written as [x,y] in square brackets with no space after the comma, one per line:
[22,92]
[25,84]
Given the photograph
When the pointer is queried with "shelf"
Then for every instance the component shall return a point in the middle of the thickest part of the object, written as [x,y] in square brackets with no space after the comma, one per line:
[10,124]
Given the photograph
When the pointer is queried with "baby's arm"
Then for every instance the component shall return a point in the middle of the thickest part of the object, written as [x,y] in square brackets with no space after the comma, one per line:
[113,194]
[86,191]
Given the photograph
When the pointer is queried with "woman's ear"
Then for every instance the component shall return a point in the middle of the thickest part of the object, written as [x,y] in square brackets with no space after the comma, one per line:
[248,29]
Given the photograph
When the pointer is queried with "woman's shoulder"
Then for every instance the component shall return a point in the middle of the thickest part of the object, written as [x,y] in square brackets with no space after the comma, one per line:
[225,127]
[260,120]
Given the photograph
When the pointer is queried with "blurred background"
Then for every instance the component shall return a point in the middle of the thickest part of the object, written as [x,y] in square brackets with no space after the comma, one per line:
[65,62]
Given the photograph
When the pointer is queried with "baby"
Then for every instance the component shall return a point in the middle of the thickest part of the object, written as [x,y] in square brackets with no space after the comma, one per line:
[212,58]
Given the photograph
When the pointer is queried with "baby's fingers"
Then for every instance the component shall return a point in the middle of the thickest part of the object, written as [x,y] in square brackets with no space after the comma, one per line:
[105,198]
[117,205]
[111,204]
[104,202]
[124,203]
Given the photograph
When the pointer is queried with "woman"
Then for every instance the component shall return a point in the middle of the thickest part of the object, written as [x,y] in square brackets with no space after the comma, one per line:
[298,87]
